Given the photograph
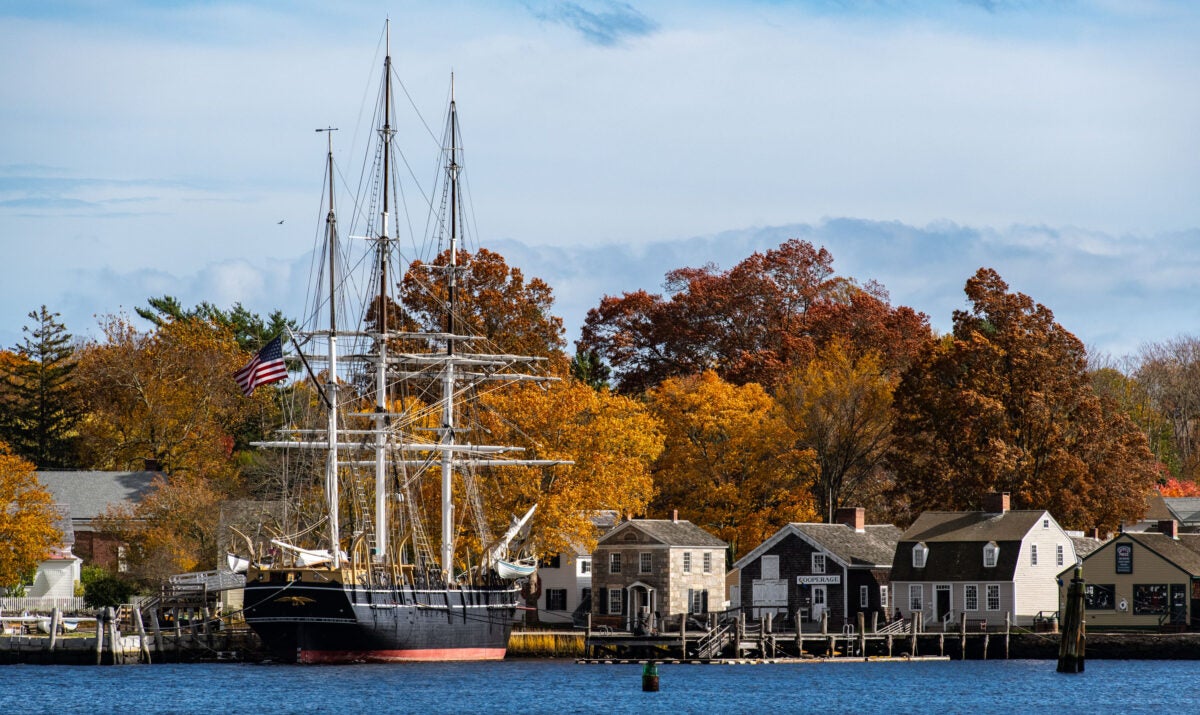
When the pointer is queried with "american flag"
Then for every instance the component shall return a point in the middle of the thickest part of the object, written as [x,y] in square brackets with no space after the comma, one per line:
[266,367]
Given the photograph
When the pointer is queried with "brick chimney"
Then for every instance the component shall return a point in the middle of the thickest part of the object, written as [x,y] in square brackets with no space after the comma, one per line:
[1169,527]
[854,517]
[675,516]
[996,503]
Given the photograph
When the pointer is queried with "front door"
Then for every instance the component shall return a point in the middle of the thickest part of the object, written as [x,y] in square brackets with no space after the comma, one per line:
[943,602]
[1178,604]
[818,602]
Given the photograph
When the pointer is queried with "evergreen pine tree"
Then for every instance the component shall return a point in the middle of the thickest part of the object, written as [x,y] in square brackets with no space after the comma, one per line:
[41,401]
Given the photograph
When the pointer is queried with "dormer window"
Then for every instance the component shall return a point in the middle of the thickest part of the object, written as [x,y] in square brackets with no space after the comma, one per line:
[991,552]
[920,553]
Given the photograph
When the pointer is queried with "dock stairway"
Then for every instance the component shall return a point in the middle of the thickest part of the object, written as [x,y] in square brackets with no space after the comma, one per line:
[716,641]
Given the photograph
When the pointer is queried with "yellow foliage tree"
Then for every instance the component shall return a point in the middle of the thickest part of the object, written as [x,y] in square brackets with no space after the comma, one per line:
[839,405]
[27,518]
[612,440]
[730,464]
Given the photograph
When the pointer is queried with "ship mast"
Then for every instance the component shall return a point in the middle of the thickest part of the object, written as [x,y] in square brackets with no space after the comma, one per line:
[380,417]
[447,436]
[331,463]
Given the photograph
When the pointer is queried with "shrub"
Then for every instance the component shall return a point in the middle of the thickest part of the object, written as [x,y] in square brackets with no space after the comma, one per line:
[107,591]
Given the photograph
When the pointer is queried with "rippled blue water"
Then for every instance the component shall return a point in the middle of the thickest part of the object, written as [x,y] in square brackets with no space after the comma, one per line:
[550,686]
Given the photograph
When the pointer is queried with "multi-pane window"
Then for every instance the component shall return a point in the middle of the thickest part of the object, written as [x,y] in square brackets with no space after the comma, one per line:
[993,597]
[614,562]
[920,551]
[697,601]
[1033,554]
[615,601]
[916,596]
[818,563]
[585,566]
[1058,555]
[864,596]
[687,562]
[707,562]
[556,599]
[971,597]
[645,562]
[990,554]
[883,598]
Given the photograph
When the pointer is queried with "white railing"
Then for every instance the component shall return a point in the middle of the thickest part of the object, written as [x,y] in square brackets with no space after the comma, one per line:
[9,605]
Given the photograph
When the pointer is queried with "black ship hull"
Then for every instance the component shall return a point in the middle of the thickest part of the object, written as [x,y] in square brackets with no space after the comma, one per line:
[316,619]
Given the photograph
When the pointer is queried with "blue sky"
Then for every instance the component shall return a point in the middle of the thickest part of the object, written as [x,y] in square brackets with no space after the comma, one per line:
[152,147]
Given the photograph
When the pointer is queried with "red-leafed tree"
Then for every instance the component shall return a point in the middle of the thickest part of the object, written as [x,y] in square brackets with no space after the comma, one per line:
[753,323]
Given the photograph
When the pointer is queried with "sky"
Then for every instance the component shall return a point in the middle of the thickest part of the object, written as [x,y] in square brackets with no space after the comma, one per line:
[152,148]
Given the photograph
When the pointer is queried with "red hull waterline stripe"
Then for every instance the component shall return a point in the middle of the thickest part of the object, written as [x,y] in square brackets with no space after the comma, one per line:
[391,656]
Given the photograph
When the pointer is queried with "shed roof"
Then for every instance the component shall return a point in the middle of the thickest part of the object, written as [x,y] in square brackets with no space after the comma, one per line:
[1183,552]
[90,493]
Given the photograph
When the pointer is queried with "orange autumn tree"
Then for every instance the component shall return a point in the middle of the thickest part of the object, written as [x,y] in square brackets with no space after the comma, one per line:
[27,517]
[494,301]
[612,440]
[168,396]
[731,465]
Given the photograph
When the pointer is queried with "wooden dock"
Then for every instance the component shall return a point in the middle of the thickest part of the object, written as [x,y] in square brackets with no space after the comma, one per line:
[736,640]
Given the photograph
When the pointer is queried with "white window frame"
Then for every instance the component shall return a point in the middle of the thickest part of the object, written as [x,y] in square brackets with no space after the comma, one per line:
[883,599]
[614,562]
[993,592]
[1033,554]
[864,596]
[920,555]
[970,597]
[687,561]
[1059,555]
[707,562]
[645,562]
[585,566]
[818,563]
[991,554]
[616,596]
[697,601]
[916,597]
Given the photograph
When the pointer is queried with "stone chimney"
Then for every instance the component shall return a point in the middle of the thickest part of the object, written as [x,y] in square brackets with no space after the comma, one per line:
[1169,527]
[996,503]
[854,517]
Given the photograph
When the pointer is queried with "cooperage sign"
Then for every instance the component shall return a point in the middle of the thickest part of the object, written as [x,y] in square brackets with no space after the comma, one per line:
[832,578]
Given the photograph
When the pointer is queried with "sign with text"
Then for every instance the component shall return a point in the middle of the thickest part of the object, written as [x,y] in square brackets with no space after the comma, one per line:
[1124,558]
[820,579]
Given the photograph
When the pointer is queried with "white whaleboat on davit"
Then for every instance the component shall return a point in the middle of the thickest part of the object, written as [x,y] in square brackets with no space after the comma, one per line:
[381,416]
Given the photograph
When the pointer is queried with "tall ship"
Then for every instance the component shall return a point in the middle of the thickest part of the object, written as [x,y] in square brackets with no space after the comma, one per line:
[383,550]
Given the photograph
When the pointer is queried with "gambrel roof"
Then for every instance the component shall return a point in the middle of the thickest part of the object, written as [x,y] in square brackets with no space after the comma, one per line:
[873,547]
[665,532]
[955,540]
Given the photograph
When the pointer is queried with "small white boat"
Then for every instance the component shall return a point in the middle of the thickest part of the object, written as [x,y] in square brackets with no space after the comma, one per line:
[236,563]
[515,569]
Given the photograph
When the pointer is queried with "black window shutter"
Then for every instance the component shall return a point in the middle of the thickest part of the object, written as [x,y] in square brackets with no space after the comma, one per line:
[691,595]
[604,601]
[704,601]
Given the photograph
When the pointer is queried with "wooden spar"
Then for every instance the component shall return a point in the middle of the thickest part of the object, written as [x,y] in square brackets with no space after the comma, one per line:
[1074,633]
